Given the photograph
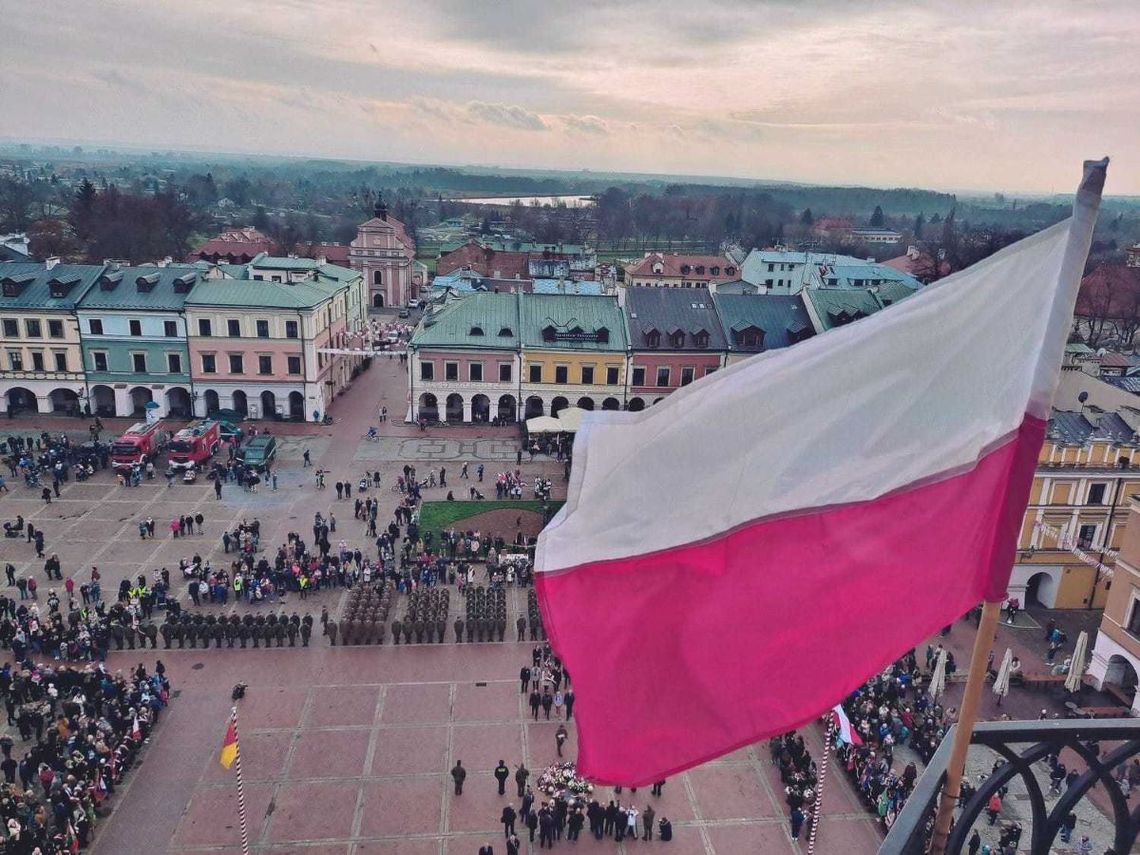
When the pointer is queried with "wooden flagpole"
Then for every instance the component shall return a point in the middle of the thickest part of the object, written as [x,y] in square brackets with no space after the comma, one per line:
[818,807]
[983,643]
[240,789]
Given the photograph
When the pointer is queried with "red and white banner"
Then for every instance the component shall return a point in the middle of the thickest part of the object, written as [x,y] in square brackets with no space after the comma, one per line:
[735,560]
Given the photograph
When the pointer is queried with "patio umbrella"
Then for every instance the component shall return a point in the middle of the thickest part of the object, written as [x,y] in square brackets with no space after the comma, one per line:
[1001,682]
[1077,663]
[571,418]
[938,678]
[543,424]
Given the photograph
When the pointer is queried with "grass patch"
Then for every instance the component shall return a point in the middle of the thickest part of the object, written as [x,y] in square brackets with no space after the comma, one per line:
[439,516]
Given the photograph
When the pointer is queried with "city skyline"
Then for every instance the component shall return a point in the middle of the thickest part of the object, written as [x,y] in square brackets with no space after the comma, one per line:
[949,96]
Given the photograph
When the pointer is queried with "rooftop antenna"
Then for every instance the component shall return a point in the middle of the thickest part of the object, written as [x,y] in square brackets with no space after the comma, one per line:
[1084,396]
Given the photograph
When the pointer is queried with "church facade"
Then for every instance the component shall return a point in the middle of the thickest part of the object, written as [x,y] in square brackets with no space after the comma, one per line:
[385,253]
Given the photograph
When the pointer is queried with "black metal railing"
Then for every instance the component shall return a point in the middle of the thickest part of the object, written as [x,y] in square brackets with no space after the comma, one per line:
[910,833]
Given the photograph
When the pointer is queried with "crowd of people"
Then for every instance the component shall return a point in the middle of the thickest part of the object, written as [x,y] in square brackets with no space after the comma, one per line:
[88,726]
[46,461]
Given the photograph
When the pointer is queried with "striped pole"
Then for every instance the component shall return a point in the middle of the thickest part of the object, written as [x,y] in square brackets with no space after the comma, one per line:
[815,811]
[240,791]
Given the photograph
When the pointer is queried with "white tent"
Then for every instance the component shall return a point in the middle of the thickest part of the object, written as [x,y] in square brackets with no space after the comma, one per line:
[544,424]
[1077,663]
[571,418]
[938,678]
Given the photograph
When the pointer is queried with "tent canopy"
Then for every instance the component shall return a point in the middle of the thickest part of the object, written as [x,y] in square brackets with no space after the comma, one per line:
[571,418]
[544,424]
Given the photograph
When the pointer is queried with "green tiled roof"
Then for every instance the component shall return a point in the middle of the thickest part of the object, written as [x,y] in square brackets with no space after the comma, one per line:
[892,292]
[833,304]
[126,292]
[30,285]
[262,294]
[567,312]
[451,325]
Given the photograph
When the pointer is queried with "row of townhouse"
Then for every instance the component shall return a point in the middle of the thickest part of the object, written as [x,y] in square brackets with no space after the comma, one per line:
[192,338]
[484,356]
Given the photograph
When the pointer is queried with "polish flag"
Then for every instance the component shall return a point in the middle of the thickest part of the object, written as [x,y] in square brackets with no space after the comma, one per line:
[136,731]
[735,560]
[847,733]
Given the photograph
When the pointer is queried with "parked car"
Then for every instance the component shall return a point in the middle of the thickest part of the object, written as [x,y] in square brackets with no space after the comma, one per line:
[403,313]
[230,430]
[231,416]
[258,451]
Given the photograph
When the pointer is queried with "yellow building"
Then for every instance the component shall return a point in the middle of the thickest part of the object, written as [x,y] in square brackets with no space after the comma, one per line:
[1075,520]
[1116,653]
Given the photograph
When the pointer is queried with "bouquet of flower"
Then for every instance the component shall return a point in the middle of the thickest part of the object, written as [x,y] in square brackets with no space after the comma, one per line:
[561,779]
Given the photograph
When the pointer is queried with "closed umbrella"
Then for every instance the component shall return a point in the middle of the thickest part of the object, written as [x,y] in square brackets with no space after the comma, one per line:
[1077,664]
[1001,682]
[938,678]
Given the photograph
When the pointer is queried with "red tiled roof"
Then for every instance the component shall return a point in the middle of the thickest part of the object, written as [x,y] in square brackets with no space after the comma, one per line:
[235,245]
[672,264]
[911,263]
[1115,360]
[334,253]
[484,261]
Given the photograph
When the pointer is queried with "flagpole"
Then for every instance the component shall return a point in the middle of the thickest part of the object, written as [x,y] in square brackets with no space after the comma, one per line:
[983,643]
[818,807]
[240,790]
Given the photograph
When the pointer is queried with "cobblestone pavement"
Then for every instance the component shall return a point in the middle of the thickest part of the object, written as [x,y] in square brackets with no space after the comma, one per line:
[346,750]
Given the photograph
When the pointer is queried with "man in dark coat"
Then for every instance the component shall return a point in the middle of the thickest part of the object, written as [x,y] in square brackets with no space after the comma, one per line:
[521,774]
[501,774]
[508,820]
[458,774]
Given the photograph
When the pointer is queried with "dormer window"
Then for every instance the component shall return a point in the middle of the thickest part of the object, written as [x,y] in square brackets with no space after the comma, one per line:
[13,285]
[701,339]
[603,335]
[184,283]
[109,281]
[685,269]
[677,339]
[652,338]
[700,268]
[506,332]
[146,283]
[752,337]
[476,331]
[730,271]
[61,286]
[549,332]
[658,268]
[714,270]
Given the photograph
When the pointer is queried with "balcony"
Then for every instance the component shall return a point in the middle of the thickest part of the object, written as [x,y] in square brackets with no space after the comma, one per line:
[1023,744]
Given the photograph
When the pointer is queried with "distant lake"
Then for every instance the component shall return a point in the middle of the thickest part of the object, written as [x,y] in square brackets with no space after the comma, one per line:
[573,201]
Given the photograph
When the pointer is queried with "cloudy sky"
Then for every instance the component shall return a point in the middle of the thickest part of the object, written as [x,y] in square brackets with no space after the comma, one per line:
[961,95]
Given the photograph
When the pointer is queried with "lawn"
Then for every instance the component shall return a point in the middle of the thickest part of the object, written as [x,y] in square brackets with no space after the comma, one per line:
[437,516]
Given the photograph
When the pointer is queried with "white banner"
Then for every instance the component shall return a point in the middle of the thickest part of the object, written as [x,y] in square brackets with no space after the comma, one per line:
[1065,541]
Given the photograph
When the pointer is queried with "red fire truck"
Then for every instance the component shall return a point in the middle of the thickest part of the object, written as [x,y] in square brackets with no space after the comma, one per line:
[138,444]
[194,444]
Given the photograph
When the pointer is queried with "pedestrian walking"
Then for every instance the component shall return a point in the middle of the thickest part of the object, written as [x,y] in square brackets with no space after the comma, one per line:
[508,820]
[308,461]
[797,820]
[560,737]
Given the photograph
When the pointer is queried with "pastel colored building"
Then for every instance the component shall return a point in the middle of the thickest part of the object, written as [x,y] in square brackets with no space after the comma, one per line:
[574,353]
[464,360]
[133,327]
[41,365]
[385,254]
[758,323]
[1115,661]
[258,336]
[674,339]
[671,270]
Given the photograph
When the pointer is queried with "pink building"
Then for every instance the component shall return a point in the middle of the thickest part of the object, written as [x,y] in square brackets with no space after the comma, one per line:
[385,253]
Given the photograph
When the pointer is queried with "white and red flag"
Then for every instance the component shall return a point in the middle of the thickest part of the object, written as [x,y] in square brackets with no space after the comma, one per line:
[735,560]
[845,732]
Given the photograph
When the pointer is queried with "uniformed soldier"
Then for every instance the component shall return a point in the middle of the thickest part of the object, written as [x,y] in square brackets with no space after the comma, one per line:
[458,630]
[397,628]
[167,633]
[520,625]
[330,630]
[306,631]
[291,629]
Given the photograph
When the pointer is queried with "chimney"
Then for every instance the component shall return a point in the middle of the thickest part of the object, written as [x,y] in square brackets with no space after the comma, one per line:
[497,275]
[50,263]
[166,262]
[322,260]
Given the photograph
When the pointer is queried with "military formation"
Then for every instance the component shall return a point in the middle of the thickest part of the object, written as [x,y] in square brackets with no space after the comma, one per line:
[534,617]
[365,615]
[485,614]
[425,618]
[197,630]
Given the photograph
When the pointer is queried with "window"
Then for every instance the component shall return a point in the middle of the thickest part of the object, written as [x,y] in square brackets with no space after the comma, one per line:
[476,330]
[652,338]
[204,327]
[170,329]
[536,372]
[294,364]
[505,372]
[475,372]
[1085,536]
[701,339]
[138,362]
[612,373]
[136,327]
[771,267]
[60,361]
[1096,494]
[174,363]
[99,360]
[33,328]
[710,370]
[561,374]
[237,363]
[264,364]
[55,329]
[587,375]
[37,361]
[638,375]
[263,329]
[1134,619]
[233,328]
[209,363]
[687,376]
[427,370]
[451,371]
[11,328]
[662,376]
[15,360]
[677,340]
[291,329]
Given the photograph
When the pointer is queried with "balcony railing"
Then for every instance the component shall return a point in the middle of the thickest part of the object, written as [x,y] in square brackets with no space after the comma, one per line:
[1036,740]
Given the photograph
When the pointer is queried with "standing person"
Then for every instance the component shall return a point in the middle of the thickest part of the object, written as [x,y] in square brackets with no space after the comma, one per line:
[569,700]
[524,677]
[501,774]
[631,822]
[458,774]
[1085,847]
[797,820]
[975,842]
[994,807]
[508,821]
[513,845]
[658,786]
[535,703]
[521,774]
[217,488]
[1067,827]
[462,472]
[647,817]
[560,737]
